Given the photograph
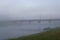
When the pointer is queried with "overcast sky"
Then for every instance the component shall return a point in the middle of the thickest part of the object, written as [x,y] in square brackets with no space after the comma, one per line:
[29,9]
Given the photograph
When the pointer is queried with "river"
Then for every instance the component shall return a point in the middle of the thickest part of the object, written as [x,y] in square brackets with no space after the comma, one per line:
[13,30]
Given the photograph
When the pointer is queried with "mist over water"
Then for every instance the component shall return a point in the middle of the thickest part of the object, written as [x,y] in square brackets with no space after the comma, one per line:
[27,9]
[17,29]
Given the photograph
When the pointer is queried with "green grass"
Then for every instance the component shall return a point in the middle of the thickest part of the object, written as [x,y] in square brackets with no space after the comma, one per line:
[53,34]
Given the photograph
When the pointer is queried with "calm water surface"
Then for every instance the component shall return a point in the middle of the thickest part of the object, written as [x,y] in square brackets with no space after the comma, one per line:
[13,30]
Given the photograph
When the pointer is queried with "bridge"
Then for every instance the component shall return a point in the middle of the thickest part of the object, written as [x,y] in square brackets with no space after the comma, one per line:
[35,20]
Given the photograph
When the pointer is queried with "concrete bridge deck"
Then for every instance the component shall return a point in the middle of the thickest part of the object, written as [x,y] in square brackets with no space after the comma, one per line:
[38,20]
[33,20]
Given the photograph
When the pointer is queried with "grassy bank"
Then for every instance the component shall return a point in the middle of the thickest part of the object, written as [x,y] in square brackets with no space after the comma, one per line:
[53,34]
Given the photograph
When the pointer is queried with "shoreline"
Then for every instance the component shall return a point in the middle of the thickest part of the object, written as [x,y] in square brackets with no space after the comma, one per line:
[40,36]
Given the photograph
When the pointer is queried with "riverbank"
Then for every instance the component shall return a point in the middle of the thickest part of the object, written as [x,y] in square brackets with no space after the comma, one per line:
[53,34]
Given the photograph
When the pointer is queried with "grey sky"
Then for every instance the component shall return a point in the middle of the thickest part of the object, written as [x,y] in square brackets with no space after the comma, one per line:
[29,9]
